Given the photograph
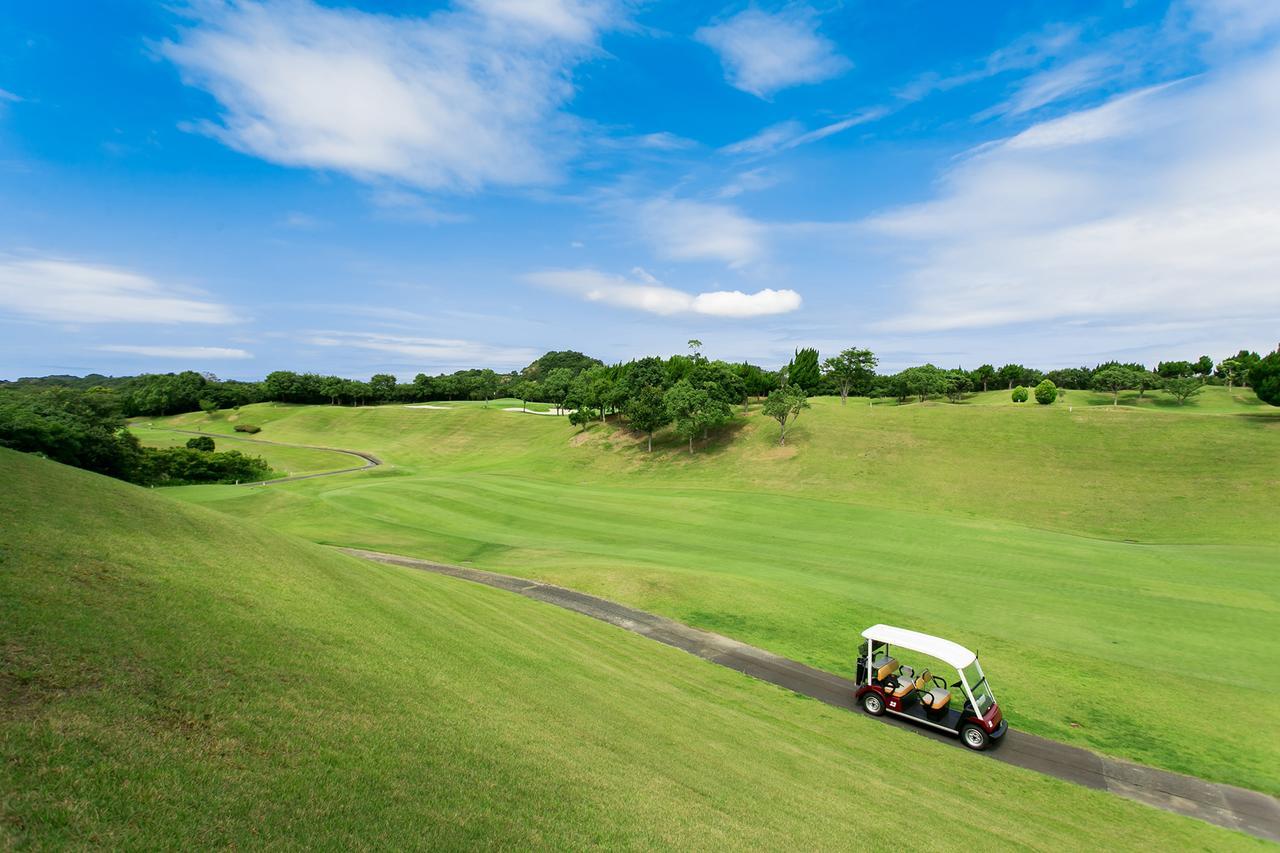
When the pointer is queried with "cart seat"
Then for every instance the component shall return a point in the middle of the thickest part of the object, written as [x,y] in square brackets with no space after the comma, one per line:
[905,686]
[936,699]
[923,680]
[883,667]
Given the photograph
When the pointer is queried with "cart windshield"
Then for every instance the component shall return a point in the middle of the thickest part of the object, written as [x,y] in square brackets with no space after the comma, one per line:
[978,686]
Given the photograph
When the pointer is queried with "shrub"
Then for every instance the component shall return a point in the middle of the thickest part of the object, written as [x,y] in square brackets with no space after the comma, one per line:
[176,466]
[201,442]
[1046,393]
[249,428]
[1020,394]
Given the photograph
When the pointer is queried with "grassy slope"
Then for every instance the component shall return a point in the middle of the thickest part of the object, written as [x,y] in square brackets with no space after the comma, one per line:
[1001,526]
[174,679]
[285,461]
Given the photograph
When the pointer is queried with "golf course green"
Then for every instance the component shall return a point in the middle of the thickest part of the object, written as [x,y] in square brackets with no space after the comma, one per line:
[174,678]
[1114,565]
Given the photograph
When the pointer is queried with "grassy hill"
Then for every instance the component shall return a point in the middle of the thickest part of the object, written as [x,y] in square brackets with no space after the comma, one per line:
[1091,553]
[172,677]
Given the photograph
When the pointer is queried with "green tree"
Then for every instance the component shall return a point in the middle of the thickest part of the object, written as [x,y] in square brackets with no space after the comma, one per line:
[1046,392]
[1011,373]
[1265,379]
[955,384]
[524,391]
[924,381]
[1231,371]
[1204,366]
[686,407]
[485,385]
[984,376]
[1183,388]
[648,372]
[1116,378]
[803,370]
[209,407]
[201,442]
[556,386]
[851,369]
[1019,394]
[784,406]
[695,347]
[382,387]
[647,412]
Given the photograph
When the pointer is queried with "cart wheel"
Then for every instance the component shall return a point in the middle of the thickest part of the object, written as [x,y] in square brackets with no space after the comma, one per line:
[873,704]
[974,737]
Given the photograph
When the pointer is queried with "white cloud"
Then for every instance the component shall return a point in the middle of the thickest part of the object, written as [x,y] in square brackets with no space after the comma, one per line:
[459,99]
[6,95]
[428,351]
[1232,23]
[763,53]
[69,292]
[1057,83]
[184,353]
[768,140]
[663,141]
[792,134]
[1161,205]
[643,292]
[685,230]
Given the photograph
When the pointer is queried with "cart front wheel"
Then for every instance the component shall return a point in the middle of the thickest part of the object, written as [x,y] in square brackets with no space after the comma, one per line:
[974,737]
[873,704]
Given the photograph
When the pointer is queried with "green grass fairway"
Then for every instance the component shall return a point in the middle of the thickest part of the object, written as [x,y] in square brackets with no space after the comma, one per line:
[174,679]
[285,461]
[1096,556]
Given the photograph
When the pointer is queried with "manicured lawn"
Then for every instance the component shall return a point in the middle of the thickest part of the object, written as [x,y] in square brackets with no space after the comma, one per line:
[1096,556]
[174,678]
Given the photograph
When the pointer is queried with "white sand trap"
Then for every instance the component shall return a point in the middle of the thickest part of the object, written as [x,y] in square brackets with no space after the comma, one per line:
[445,408]
[532,412]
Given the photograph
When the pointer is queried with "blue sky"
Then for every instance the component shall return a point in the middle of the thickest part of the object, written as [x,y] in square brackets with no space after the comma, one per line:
[360,187]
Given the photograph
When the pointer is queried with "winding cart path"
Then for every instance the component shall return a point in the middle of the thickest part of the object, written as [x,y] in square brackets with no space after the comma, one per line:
[370,461]
[1240,809]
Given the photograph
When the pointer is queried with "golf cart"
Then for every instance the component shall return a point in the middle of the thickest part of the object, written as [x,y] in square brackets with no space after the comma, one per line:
[967,708]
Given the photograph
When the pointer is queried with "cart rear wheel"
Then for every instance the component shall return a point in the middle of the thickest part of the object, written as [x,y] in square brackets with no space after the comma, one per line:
[873,704]
[974,737]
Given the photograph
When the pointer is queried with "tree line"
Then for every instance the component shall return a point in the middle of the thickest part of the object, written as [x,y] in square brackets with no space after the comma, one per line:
[86,428]
[80,420]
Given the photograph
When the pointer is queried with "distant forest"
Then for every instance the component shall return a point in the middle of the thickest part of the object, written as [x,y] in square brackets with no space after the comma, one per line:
[573,380]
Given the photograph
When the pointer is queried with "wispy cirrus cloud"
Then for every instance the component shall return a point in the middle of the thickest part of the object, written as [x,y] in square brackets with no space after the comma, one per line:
[179,353]
[459,99]
[63,291]
[1160,205]
[425,351]
[792,134]
[643,292]
[763,53]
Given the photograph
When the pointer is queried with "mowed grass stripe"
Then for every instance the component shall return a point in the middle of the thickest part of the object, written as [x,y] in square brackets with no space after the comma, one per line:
[186,679]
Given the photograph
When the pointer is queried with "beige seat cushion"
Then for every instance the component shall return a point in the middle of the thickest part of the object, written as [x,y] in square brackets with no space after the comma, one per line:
[905,686]
[937,698]
[922,681]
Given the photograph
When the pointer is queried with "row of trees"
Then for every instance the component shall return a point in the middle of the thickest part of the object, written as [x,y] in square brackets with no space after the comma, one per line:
[551,379]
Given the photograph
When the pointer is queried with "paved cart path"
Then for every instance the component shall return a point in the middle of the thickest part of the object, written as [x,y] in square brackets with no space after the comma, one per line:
[1225,805]
[370,461]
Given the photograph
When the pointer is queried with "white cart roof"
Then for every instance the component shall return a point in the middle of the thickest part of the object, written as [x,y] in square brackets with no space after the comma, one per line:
[952,654]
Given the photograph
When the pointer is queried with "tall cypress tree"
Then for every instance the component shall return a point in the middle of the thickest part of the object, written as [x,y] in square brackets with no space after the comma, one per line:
[803,370]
